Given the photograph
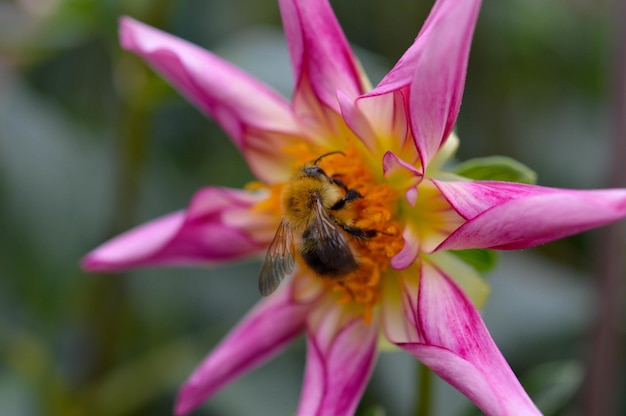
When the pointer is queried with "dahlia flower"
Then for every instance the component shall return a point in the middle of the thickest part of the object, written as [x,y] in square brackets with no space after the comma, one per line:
[408,289]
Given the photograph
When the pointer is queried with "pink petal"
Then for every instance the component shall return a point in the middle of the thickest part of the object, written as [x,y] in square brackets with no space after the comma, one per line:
[320,53]
[430,219]
[392,164]
[510,216]
[263,333]
[439,79]
[402,175]
[219,225]
[357,121]
[340,357]
[399,311]
[458,347]
[387,115]
[258,120]
[434,67]
[409,251]
[403,73]
[380,122]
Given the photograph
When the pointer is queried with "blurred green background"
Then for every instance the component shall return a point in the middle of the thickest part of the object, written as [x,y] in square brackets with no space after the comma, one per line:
[93,143]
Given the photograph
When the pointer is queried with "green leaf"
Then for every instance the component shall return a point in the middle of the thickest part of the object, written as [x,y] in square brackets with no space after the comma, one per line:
[481,260]
[496,168]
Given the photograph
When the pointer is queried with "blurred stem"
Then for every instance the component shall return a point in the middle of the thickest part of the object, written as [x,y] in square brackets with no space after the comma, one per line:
[424,403]
[602,385]
[109,312]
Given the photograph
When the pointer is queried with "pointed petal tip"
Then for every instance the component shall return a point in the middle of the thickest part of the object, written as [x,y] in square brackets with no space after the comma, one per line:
[455,343]
[510,216]
[255,340]
[187,400]
[91,264]
[320,51]
[257,118]
[403,259]
[125,24]
[95,263]
[409,252]
[394,163]
[103,260]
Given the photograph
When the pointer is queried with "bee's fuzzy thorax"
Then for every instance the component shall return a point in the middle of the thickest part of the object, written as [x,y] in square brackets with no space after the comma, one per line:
[299,195]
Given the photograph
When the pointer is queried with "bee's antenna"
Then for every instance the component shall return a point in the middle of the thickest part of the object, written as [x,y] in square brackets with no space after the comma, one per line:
[327,154]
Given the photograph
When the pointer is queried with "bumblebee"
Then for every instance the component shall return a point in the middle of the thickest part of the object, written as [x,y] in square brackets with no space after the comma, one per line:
[317,224]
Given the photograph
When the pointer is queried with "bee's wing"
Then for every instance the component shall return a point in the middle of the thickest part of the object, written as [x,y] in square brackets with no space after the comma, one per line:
[329,243]
[279,260]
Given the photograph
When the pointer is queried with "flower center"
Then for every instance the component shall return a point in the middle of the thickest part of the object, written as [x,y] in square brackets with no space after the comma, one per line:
[350,264]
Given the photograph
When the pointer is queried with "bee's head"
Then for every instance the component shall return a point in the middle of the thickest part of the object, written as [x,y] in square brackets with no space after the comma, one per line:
[314,172]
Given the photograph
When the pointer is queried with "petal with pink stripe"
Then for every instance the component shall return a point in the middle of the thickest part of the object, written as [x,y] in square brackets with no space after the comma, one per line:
[439,78]
[320,52]
[511,216]
[434,69]
[341,352]
[458,347]
[259,120]
[219,225]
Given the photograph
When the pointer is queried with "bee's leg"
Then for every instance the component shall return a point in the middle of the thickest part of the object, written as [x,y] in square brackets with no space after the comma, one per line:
[359,232]
[351,194]
[339,183]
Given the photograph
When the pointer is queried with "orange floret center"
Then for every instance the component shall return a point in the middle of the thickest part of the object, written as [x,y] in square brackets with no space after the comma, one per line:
[376,210]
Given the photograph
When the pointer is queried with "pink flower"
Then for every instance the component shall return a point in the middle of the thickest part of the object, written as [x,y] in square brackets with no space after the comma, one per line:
[394,138]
